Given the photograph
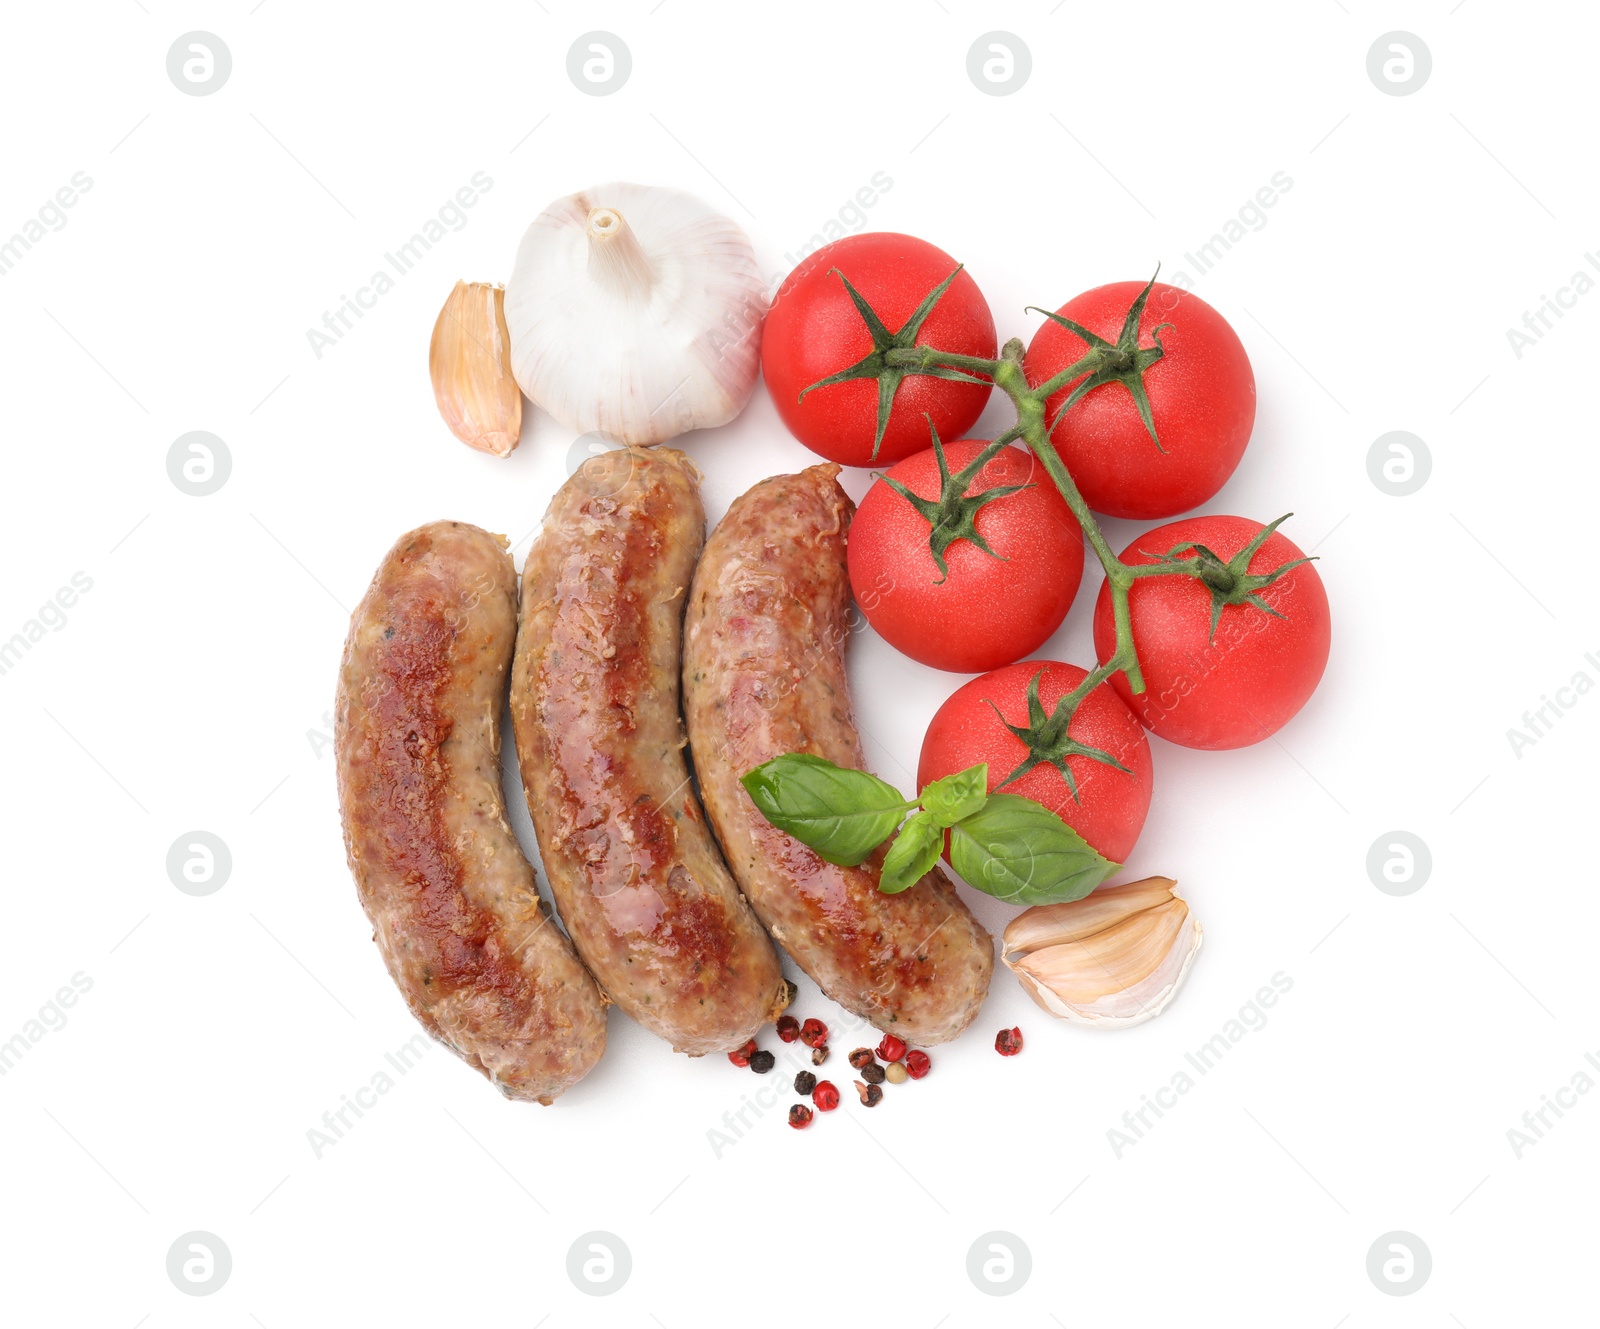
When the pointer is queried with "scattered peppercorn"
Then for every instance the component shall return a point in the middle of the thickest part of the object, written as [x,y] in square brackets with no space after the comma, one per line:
[819,1054]
[917,1064]
[741,1056]
[895,1072]
[861,1057]
[786,995]
[872,1073]
[891,1049]
[762,1062]
[799,1116]
[788,1028]
[804,1082]
[825,1096]
[1008,1042]
[813,1033]
[871,1094]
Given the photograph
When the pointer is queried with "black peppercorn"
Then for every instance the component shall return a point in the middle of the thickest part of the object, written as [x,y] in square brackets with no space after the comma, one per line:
[762,1062]
[804,1082]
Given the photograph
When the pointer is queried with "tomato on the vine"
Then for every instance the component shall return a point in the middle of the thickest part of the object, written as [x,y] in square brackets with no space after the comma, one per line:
[977,567]
[1221,671]
[1105,801]
[1201,396]
[816,331]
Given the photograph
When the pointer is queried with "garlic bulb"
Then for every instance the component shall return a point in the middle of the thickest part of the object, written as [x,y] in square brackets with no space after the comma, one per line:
[1112,959]
[635,312]
[469,360]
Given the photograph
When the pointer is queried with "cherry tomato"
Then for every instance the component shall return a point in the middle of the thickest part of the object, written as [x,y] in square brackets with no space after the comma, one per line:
[982,609]
[1248,679]
[814,330]
[1202,397]
[1111,804]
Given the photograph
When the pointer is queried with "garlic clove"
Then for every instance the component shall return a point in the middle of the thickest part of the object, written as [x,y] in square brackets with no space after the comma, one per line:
[1113,959]
[470,363]
[636,312]
[1046,925]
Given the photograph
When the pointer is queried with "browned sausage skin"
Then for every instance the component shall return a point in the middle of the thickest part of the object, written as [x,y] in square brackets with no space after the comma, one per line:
[454,905]
[764,674]
[594,703]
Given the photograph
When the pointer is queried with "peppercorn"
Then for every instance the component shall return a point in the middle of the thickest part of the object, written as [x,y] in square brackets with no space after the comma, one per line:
[799,1116]
[891,1048]
[917,1064]
[819,1054]
[895,1072]
[741,1056]
[762,1062]
[788,1028]
[804,1082]
[872,1073]
[861,1057]
[825,1096]
[813,1033]
[871,1094]
[1008,1042]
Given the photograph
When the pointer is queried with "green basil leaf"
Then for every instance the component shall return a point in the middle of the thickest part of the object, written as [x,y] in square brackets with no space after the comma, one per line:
[1021,852]
[912,855]
[957,796]
[842,814]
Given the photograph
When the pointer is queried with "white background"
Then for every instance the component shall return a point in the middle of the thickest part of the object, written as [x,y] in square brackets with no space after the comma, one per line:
[188,688]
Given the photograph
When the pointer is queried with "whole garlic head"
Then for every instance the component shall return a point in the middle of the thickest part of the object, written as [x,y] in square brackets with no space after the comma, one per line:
[1112,959]
[636,312]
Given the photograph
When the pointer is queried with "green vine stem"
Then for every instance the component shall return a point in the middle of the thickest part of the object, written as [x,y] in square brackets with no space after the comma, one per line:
[897,355]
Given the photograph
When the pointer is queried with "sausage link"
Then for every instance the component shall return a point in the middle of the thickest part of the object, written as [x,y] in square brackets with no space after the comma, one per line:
[764,674]
[594,704]
[454,905]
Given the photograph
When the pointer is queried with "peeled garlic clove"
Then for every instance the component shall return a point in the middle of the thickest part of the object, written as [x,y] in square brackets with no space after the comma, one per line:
[470,361]
[636,312]
[1113,959]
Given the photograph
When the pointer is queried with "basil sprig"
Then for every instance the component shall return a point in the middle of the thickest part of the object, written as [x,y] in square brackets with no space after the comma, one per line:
[1008,846]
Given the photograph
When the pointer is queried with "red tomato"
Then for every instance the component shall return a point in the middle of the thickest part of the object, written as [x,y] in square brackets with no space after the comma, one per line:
[1110,808]
[814,330]
[985,611]
[1202,401]
[1247,681]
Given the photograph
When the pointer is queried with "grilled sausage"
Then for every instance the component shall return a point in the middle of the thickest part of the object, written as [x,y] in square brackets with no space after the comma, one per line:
[454,906]
[594,705]
[764,674]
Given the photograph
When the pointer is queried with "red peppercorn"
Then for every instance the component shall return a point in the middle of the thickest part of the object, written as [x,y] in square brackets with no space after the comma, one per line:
[799,1116]
[891,1048]
[813,1033]
[917,1064]
[871,1094]
[819,1054]
[741,1056]
[861,1057]
[1008,1042]
[825,1096]
[788,1028]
